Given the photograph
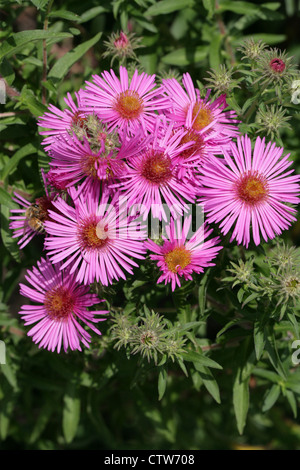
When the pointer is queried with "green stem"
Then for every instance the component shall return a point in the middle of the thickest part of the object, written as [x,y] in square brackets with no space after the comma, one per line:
[45,58]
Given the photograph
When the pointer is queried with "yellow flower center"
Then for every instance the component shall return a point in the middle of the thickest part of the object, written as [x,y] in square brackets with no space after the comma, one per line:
[252,188]
[201,116]
[58,303]
[195,148]
[89,165]
[156,167]
[177,259]
[129,104]
[93,236]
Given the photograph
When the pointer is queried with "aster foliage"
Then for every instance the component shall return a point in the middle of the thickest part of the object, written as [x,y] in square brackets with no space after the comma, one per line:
[163,201]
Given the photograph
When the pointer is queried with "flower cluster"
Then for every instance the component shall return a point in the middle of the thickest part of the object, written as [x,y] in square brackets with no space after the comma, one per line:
[129,151]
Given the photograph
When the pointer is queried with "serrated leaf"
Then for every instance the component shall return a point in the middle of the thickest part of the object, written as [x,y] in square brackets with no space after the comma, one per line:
[62,66]
[71,413]
[168,6]
[271,398]
[17,41]
[186,56]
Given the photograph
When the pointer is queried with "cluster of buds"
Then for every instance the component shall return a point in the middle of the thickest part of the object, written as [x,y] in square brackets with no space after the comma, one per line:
[150,336]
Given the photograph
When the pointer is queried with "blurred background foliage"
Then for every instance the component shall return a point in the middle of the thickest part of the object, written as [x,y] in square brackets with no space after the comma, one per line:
[104,398]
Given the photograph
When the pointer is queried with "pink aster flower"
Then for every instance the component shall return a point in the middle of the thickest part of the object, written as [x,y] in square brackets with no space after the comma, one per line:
[94,237]
[62,305]
[209,116]
[29,220]
[75,161]
[151,179]
[122,103]
[179,256]
[250,189]
[60,122]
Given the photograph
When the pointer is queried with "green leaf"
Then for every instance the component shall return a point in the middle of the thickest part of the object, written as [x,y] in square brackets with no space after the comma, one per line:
[40,4]
[268,38]
[6,199]
[259,336]
[91,13]
[271,398]
[240,400]
[198,358]
[250,297]
[62,66]
[42,420]
[209,382]
[162,382]
[30,101]
[7,72]
[6,409]
[202,292]
[168,6]
[214,51]
[242,8]
[17,41]
[71,413]
[6,234]
[268,375]
[65,15]
[186,56]
[275,360]
[209,5]
[28,149]
[292,401]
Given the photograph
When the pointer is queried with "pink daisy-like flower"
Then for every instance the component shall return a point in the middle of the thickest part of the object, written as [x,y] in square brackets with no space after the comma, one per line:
[151,179]
[61,306]
[94,237]
[29,221]
[250,189]
[122,104]
[76,161]
[179,256]
[188,109]
[61,122]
